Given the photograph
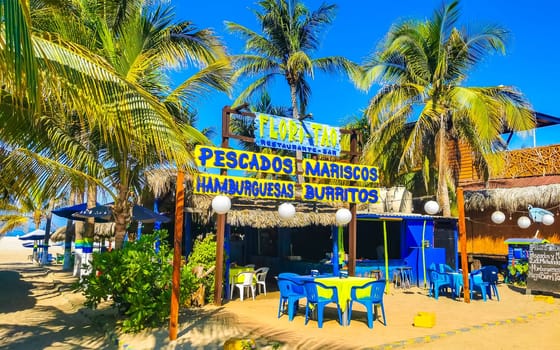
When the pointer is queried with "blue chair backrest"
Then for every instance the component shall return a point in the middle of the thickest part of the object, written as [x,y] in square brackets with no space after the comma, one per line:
[476,278]
[312,292]
[294,278]
[490,274]
[288,287]
[436,276]
[377,290]
[287,275]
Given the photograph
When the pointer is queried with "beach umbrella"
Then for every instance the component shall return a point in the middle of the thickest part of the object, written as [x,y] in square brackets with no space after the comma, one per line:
[33,235]
[28,245]
[143,214]
[68,213]
[105,212]
[101,213]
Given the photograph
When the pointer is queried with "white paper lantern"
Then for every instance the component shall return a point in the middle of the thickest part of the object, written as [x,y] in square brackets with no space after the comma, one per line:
[523,222]
[498,217]
[431,207]
[547,219]
[343,216]
[286,211]
[221,204]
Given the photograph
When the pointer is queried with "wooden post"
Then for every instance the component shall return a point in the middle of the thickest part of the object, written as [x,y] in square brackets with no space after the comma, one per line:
[177,240]
[463,244]
[352,227]
[221,220]
[220,232]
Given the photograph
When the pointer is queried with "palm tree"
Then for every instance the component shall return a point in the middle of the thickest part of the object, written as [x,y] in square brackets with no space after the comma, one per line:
[139,123]
[290,36]
[422,66]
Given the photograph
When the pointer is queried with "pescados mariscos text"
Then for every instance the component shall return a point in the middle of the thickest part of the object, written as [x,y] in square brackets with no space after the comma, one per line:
[214,157]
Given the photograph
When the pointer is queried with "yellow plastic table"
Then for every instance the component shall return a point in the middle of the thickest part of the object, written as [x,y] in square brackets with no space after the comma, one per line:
[343,287]
[233,271]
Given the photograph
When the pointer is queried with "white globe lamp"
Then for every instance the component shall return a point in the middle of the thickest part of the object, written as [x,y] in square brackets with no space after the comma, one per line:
[286,211]
[523,222]
[221,204]
[547,219]
[343,216]
[498,217]
[431,207]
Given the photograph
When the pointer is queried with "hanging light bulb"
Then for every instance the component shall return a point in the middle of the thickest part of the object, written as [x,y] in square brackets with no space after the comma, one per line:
[431,207]
[547,219]
[523,222]
[286,211]
[498,217]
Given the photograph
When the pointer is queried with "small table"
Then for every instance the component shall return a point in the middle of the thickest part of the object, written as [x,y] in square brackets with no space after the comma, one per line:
[344,286]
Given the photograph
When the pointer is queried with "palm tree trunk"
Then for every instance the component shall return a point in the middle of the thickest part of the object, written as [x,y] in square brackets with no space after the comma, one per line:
[443,193]
[121,212]
[87,248]
[75,199]
[45,256]
[295,115]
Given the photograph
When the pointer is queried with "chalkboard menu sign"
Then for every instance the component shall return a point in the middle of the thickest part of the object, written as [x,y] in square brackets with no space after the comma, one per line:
[544,267]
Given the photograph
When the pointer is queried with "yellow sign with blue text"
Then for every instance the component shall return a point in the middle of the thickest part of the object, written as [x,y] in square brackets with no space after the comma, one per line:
[244,187]
[339,171]
[295,135]
[214,157]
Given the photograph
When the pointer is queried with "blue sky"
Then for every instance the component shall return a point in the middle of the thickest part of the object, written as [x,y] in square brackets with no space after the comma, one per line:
[530,63]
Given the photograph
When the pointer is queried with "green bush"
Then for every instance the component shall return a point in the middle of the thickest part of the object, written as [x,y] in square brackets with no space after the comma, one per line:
[204,254]
[517,273]
[137,279]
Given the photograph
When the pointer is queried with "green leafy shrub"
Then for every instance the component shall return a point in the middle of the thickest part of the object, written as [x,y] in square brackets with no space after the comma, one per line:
[517,273]
[204,255]
[137,279]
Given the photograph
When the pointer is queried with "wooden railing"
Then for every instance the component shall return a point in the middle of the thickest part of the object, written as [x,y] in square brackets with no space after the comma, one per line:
[537,161]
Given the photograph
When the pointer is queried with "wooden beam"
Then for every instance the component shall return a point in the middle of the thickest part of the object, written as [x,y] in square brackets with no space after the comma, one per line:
[463,244]
[177,245]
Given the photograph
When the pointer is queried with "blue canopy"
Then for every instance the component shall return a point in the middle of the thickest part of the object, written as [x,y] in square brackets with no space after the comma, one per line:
[68,213]
[36,235]
[105,212]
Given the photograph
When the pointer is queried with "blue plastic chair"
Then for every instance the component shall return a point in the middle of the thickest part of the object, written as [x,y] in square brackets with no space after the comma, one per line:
[319,302]
[290,293]
[476,283]
[437,282]
[377,290]
[490,275]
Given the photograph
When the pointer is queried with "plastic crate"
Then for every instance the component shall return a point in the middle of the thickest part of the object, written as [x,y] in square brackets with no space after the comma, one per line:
[425,319]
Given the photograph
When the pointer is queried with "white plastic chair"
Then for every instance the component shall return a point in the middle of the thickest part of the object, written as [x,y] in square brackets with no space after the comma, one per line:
[246,282]
[261,273]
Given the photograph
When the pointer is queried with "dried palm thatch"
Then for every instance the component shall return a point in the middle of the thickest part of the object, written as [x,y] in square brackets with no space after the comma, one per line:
[59,234]
[102,231]
[512,199]
[161,181]
[263,213]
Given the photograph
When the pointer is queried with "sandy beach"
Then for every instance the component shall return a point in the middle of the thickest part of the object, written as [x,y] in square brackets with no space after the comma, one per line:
[38,310]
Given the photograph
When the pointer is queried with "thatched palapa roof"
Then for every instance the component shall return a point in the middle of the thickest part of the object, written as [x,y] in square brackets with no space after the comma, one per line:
[263,213]
[512,199]
[102,230]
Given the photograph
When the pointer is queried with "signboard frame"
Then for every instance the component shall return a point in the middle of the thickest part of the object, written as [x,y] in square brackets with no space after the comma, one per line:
[544,268]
